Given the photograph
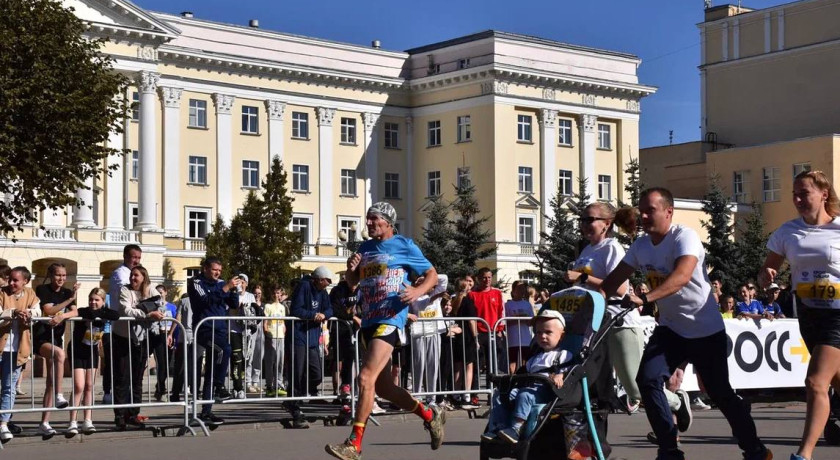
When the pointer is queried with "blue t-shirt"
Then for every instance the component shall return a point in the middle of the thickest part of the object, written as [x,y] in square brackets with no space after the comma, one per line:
[754,307]
[385,266]
[773,308]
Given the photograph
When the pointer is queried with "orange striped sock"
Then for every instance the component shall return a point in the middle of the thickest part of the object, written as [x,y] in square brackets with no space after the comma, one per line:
[423,412]
[356,436]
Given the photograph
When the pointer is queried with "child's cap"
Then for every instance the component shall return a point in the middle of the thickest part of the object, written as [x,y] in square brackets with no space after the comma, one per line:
[551,314]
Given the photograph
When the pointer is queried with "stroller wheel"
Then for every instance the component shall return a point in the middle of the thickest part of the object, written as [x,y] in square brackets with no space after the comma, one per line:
[832,434]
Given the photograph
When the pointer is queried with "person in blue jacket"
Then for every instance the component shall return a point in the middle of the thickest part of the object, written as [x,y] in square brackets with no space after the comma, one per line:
[310,303]
[748,307]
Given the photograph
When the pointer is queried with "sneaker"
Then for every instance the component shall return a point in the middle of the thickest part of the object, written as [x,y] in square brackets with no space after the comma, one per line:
[698,404]
[376,410]
[19,392]
[211,418]
[253,389]
[46,431]
[435,427]
[765,454]
[135,421]
[174,398]
[684,417]
[72,430]
[221,394]
[15,429]
[509,435]
[475,401]
[280,392]
[469,404]
[629,405]
[344,390]
[446,405]
[88,428]
[107,399]
[344,451]
[270,393]
[797,457]
[60,402]
[489,436]
[239,394]
[5,434]
[119,421]
[300,423]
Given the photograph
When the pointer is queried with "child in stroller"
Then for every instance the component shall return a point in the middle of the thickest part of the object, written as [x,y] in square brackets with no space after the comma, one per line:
[553,362]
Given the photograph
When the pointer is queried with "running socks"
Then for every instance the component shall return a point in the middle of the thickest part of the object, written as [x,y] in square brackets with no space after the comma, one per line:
[356,436]
[423,412]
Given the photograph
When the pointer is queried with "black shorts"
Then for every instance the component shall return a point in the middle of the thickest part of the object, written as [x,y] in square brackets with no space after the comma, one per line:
[83,356]
[390,334]
[38,342]
[819,326]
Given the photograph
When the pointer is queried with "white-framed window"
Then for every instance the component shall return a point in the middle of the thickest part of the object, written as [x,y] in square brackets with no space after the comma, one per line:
[197,170]
[463,63]
[464,129]
[771,184]
[192,272]
[564,130]
[434,133]
[799,168]
[604,187]
[300,125]
[198,113]
[300,178]
[523,128]
[348,182]
[135,164]
[741,186]
[525,226]
[135,106]
[350,227]
[564,186]
[462,177]
[434,183]
[392,185]
[250,174]
[529,276]
[604,141]
[526,179]
[132,216]
[348,130]
[302,224]
[392,135]
[398,226]
[250,119]
[198,222]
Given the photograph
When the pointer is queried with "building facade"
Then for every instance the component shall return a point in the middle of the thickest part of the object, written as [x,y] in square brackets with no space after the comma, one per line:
[518,116]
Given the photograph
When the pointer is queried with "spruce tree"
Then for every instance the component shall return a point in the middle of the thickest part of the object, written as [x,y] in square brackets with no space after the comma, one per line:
[173,292]
[437,242]
[721,252]
[472,240]
[633,185]
[218,244]
[751,246]
[559,246]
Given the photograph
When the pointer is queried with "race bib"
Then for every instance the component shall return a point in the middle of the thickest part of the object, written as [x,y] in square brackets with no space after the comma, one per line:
[567,303]
[818,288]
[654,279]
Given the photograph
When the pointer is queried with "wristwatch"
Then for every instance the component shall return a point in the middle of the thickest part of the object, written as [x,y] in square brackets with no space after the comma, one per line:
[583,277]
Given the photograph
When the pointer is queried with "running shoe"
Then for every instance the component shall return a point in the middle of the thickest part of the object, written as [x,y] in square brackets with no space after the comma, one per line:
[630,406]
[435,427]
[60,402]
[72,430]
[343,451]
[509,435]
[88,428]
[797,457]
[221,394]
[376,410]
[684,417]
[5,434]
[211,418]
[698,404]
[45,430]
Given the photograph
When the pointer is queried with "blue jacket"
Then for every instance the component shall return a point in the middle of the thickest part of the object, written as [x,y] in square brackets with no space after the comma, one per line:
[208,299]
[306,302]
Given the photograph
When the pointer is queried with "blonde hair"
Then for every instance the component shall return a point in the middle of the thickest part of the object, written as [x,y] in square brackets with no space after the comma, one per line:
[820,180]
[98,292]
[624,218]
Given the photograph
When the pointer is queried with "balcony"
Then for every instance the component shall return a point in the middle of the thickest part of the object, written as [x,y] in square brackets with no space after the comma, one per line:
[527,249]
[119,236]
[53,234]
[308,249]
[195,244]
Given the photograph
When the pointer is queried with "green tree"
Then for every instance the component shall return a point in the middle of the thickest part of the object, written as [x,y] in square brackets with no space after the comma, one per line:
[751,246]
[559,246]
[218,243]
[721,252]
[438,243]
[57,103]
[633,185]
[173,292]
[472,240]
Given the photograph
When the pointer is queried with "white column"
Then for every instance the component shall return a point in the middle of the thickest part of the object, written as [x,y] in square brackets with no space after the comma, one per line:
[148,152]
[548,177]
[83,215]
[224,156]
[171,98]
[275,110]
[115,184]
[371,158]
[409,176]
[588,139]
[326,227]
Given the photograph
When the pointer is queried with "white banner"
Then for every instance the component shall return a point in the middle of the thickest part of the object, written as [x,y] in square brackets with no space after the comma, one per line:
[761,354]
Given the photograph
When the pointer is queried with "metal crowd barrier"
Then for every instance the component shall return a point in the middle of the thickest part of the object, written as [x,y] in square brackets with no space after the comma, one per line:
[517,329]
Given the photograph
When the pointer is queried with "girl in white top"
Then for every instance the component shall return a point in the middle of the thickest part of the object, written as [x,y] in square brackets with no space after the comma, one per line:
[595,262]
[518,310]
[811,244]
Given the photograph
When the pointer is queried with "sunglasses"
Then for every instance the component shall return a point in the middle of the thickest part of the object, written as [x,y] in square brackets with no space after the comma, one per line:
[589,219]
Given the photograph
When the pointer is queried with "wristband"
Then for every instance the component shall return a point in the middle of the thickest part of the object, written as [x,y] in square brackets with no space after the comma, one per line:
[583,277]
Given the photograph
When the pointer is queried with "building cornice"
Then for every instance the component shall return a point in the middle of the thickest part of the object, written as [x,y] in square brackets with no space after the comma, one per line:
[771,55]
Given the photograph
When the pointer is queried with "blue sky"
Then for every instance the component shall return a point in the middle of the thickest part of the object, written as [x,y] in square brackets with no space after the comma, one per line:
[661,32]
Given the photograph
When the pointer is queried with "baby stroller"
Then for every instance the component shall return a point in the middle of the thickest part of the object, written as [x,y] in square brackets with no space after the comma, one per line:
[583,391]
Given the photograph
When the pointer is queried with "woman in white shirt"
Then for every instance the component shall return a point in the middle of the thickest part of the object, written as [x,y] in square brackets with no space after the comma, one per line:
[595,262]
[811,244]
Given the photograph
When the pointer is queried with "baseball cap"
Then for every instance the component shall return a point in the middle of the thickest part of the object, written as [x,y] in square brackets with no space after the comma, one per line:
[551,314]
[244,277]
[773,286]
[323,273]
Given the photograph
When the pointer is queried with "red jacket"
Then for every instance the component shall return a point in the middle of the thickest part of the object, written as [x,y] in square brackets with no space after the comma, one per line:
[489,306]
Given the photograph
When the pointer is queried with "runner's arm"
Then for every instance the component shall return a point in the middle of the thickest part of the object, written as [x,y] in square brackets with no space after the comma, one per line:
[770,268]
[615,280]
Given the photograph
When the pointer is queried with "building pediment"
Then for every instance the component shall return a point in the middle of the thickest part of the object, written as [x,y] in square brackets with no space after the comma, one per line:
[120,17]
[528,201]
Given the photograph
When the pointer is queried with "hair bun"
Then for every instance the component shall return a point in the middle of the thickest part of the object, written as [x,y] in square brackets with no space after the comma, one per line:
[627,220]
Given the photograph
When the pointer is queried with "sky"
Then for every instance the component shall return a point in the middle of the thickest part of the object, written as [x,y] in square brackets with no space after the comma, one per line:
[662,33]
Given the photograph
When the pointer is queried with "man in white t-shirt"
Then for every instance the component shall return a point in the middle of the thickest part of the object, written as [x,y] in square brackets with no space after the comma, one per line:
[690,326]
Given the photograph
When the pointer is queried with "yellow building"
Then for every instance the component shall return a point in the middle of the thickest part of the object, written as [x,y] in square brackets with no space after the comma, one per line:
[521,117]
[769,106]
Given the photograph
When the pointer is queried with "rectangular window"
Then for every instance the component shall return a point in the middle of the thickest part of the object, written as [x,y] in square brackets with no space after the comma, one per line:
[135,164]
[462,177]
[198,113]
[250,119]
[348,130]
[564,187]
[434,133]
[463,63]
[526,229]
[464,129]
[198,222]
[604,187]
[392,185]
[348,182]
[799,168]
[133,215]
[300,125]
[526,179]
[523,128]
[250,174]
[301,225]
[564,128]
[300,178]
[771,185]
[434,183]
[135,106]
[392,136]
[741,186]
[350,227]
[604,141]
[197,171]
